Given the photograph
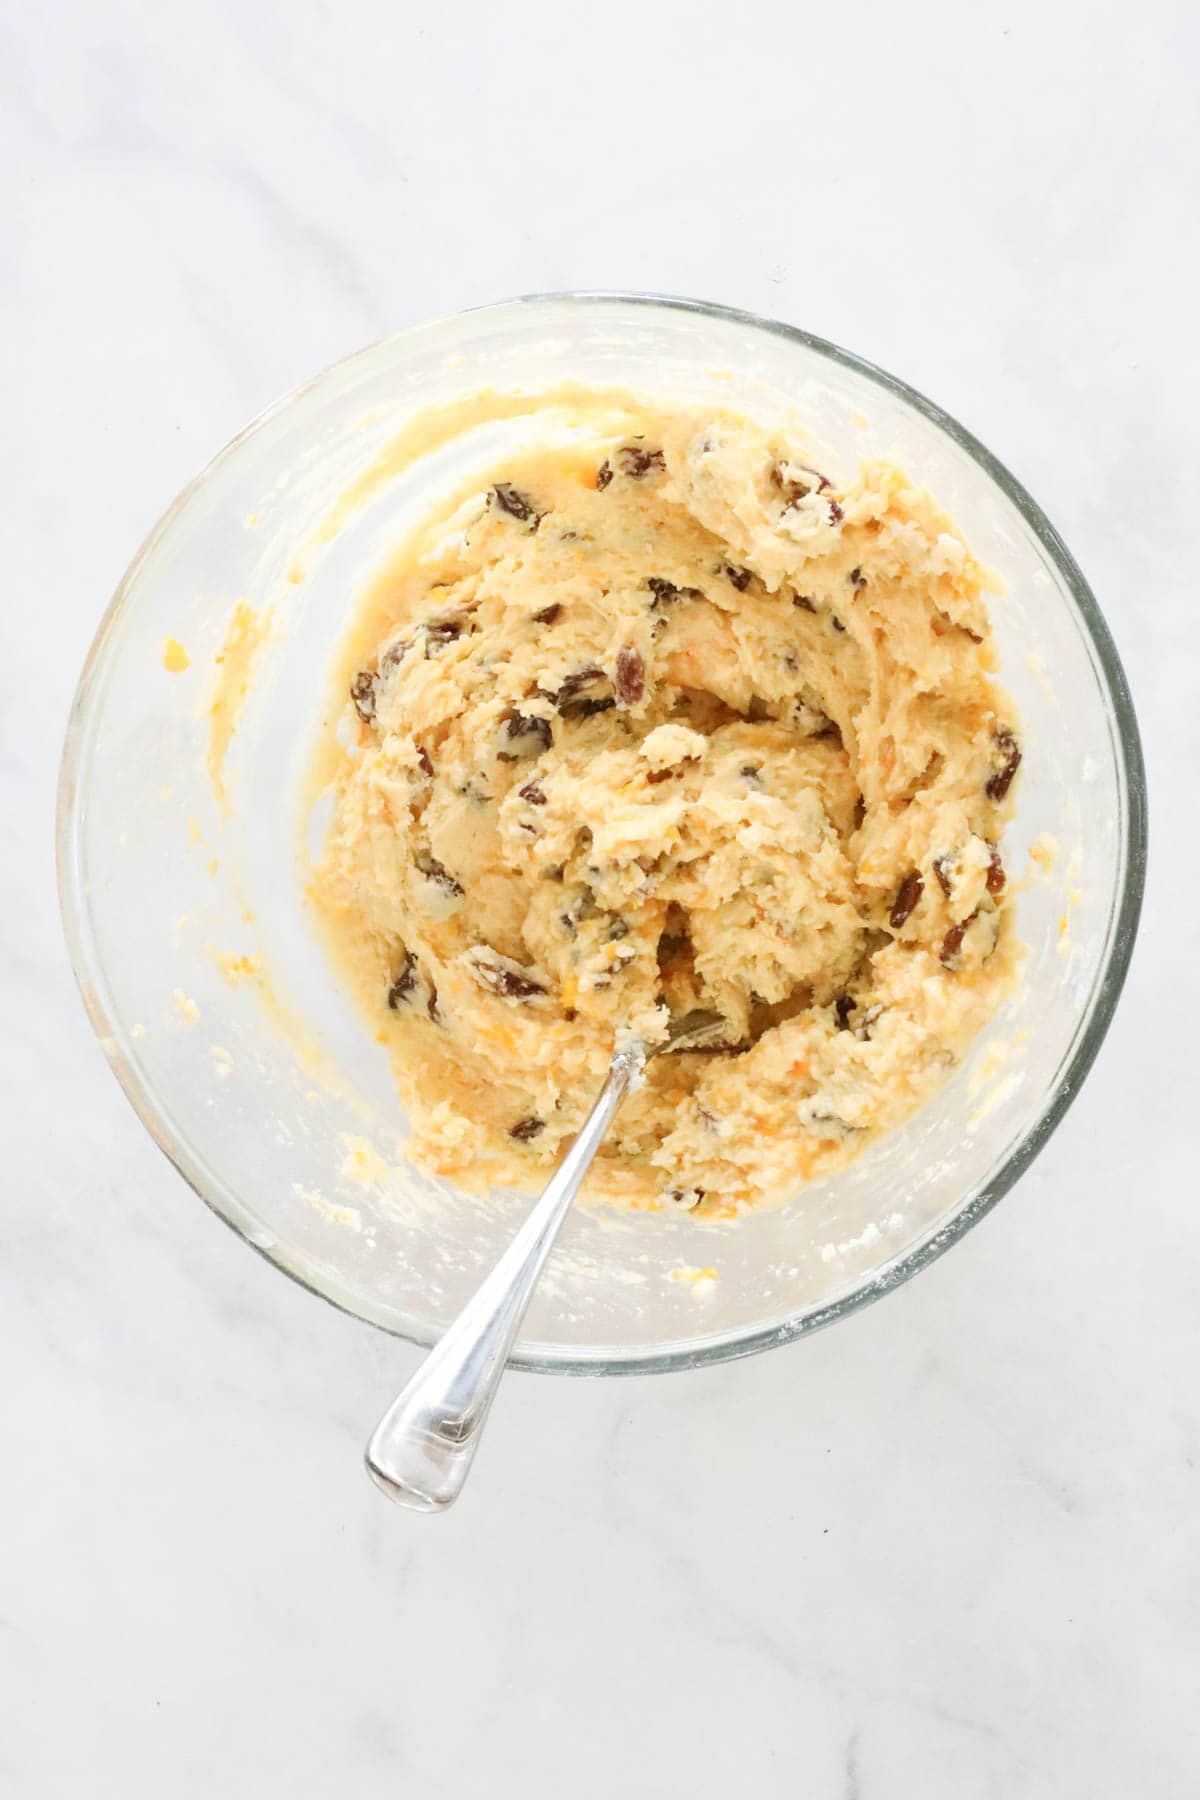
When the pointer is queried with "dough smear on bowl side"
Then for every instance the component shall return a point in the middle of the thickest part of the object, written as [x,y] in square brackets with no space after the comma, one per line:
[666,724]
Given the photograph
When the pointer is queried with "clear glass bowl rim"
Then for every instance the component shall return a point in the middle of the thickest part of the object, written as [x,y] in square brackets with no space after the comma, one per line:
[1122,924]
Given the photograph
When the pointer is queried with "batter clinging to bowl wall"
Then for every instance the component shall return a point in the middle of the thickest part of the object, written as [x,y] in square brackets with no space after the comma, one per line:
[661,724]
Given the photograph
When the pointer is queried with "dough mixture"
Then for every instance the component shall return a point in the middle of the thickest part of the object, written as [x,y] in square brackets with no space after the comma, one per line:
[666,724]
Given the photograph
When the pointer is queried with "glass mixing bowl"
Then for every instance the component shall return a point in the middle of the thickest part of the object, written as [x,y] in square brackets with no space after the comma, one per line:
[257,1078]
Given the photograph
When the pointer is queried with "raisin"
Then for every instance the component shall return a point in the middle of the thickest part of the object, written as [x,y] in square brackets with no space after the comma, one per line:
[394,655]
[795,491]
[822,481]
[687,1199]
[362,692]
[629,678]
[837,623]
[741,578]
[666,593]
[510,500]
[437,872]
[525,1129]
[942,866]
[517,987]
[424,760]
[506,756]
[404,983]
[952,942]
[569,701]
[431,1006]
[617,929]
[803,602]
[857,578]
[529,725]
[843,1006]
[836,515]
[604,475]
[1000,780]
[440,632]
[505,978]
[862,1030]
[533,793]
[635,462]
[910,891]
[586,709]
[654,776]
[548,614]
[995,871]
[575,683]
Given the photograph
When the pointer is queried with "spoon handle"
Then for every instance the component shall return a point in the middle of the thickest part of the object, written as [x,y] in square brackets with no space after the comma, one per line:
[421,1450]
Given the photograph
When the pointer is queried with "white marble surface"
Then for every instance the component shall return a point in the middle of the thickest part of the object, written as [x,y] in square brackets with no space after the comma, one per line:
[947,1551]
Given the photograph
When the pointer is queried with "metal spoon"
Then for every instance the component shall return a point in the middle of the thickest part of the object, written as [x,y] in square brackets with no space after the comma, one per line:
[421,1450]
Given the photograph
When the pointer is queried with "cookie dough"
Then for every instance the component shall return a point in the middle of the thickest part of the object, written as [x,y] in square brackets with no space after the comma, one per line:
[667,723]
